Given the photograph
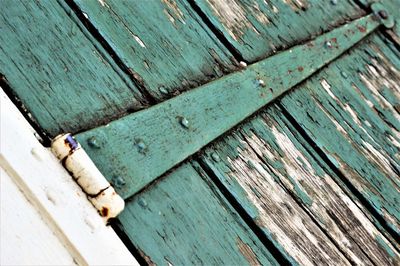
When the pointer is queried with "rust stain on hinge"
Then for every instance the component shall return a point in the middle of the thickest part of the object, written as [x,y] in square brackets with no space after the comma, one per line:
[98,190]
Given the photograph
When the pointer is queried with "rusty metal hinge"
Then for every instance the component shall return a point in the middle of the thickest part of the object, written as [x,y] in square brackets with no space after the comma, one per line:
[98,190]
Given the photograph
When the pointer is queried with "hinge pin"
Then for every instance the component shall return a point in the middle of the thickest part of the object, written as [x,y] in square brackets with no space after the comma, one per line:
[383,14]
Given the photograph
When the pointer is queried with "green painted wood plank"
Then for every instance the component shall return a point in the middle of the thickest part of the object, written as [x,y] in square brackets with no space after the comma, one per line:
[350,110]
[265,164]
[142,146]
[184,220]
[258,28]
[60,76]
[163,43]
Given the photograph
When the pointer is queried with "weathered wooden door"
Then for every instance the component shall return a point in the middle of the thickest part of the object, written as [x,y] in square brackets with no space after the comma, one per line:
[238,132]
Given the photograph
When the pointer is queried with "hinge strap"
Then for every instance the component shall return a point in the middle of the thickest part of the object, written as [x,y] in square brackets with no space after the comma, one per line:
[99,191]
[142,146]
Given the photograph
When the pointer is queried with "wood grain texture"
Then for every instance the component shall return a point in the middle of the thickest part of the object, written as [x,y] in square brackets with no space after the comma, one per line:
[55,196]
[258,28]
[62,78]
[163,43]
[351,111]
[184,220]
[269,169]
[146,144]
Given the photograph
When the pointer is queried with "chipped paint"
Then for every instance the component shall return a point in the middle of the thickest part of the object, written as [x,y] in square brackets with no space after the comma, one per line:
[353,120]
[277,212]
[247,252]
[99,191]
[268,156]
[297,5]
[233,17]
[173,11]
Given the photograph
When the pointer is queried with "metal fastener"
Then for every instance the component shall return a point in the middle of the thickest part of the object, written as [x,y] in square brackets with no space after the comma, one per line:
[71,142]
[334,2]
[328,44]
[261,82]
[163,90]
[142,202]
[93,142]
[383,14]
[184,122]
[215,157]
[141,146]
[118,181]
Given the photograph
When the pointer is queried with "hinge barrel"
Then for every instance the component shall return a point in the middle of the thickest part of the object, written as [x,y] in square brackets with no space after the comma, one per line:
[99,191]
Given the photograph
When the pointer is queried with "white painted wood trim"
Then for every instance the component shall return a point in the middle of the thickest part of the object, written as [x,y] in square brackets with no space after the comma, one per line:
[55,196]
[20,219]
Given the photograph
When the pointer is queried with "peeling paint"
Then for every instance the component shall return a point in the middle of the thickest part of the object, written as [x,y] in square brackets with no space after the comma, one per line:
[233,17]
[247,252]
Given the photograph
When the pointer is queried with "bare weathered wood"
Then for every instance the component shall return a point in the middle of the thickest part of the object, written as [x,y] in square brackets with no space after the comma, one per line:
[351,112]
[258,28]
[184,220]
[163,43]
[144,145]
[62,78]
[265,163]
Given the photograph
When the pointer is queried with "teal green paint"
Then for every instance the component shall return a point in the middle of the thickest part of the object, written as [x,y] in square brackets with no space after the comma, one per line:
[63,79]
[184,218]
[165,44]
[224,171]
[244,23]
[384,245]
[303,196]
[378,181]
[211,110]
[316,189]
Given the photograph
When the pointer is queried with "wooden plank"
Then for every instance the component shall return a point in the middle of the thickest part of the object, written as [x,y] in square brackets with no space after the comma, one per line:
[163,43]
[20,245]
[142,146]
[184,220]
[55,196]
[351,112]
[57,71]
[258,28]
[265,164]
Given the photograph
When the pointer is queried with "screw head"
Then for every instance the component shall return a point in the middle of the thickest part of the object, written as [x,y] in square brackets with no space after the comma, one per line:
[118,181]
[328,44]
[383,14]
[142,202]
[141,146]
[163,90]
[261,82]
[184,122]
[215,157]
[93,142]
